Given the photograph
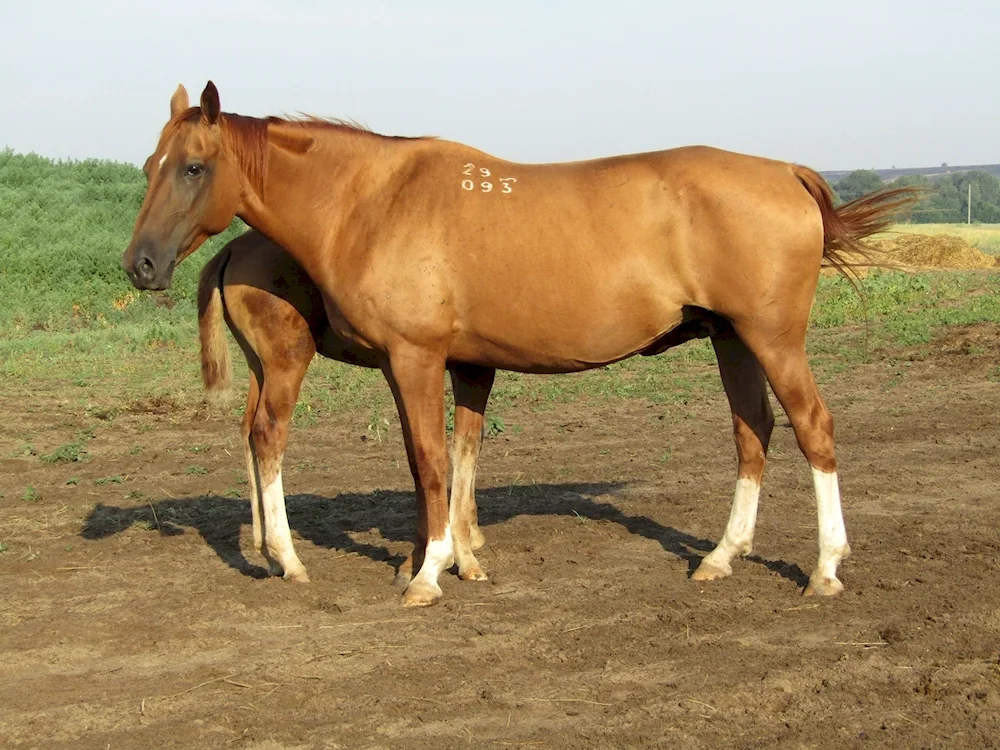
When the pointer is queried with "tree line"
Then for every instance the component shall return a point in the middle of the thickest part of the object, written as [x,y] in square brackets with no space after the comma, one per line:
[947,197]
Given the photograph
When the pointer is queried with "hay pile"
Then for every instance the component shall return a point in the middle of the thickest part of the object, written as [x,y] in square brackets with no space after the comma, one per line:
[925,251]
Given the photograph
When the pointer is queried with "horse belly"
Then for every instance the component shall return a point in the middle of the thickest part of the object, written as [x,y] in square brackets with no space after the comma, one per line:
[566,332]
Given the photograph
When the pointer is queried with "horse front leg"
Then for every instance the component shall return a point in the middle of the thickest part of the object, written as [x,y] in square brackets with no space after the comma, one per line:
[416,378]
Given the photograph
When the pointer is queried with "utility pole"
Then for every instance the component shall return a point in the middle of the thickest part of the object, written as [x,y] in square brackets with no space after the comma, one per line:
[968,219]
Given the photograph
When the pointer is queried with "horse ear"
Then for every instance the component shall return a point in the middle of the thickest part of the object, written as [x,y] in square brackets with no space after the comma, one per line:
[179,101]
[210,107]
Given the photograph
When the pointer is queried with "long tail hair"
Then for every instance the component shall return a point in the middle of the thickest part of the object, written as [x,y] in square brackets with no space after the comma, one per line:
[216,369]
[844,227]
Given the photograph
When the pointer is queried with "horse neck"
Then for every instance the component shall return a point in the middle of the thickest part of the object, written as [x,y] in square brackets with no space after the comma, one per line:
[311,200]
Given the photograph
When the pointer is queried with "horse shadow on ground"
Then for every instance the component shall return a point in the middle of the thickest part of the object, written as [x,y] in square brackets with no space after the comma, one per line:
[331,522]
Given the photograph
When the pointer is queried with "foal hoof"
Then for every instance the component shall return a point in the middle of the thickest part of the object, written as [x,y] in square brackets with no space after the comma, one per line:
[421,594]
[823,586]
[708,571]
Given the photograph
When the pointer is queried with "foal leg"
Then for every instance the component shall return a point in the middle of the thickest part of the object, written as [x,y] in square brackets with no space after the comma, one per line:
[269,438]
[472,387]
[416,377]
[275,378]
[784,360]
[253,398]
[745,384]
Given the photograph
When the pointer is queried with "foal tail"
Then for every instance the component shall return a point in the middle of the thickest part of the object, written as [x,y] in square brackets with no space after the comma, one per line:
[216,370]
[844,227]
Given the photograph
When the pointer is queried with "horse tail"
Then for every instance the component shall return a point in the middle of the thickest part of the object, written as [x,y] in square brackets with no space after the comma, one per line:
[845,227]
[216,369]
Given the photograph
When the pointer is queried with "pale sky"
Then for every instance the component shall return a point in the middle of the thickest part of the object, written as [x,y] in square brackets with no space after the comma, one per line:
[832,84]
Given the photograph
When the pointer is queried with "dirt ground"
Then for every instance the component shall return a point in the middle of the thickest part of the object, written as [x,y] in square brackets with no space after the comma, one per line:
[136,614]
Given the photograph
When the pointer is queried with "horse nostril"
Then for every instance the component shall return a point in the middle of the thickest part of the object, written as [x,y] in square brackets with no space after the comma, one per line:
[144,269]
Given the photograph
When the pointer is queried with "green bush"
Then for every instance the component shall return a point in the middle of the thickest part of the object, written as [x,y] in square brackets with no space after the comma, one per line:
[63,228]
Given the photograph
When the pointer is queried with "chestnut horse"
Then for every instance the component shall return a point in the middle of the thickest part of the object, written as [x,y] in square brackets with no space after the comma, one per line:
[276,314]
[429,253]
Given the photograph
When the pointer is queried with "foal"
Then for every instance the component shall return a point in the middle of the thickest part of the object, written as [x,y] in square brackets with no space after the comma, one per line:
[276,314]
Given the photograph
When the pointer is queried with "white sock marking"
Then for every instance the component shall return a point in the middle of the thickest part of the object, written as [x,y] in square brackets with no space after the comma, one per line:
[277,535]
[738,539]
[832,534]
[438,556]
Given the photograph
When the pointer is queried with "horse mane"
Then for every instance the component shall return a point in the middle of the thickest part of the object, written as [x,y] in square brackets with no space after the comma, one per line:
[246,137]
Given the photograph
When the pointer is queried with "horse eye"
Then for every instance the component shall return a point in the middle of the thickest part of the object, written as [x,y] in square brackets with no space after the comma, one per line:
[194,170]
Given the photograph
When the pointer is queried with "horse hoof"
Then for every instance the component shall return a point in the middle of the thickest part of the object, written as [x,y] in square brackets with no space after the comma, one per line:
[473,574]
[421,594]
[823,586]
[299,576]
[711,571]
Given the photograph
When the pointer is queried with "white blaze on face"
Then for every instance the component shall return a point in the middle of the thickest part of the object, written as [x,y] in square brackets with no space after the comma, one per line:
[160,163]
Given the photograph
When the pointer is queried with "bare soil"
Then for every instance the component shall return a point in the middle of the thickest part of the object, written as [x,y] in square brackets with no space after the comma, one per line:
[136,614]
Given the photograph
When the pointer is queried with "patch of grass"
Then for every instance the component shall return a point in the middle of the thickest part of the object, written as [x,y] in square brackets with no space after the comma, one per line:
[194,469]
[3,547]
[899,309]
[494,425]
[198,448]
[303,415]
[66,453]
[115,479]
[72,452]
[30,494]
[72,482]
[379,425]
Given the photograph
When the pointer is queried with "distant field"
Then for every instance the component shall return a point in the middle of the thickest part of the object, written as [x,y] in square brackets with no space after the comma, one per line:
[985,237]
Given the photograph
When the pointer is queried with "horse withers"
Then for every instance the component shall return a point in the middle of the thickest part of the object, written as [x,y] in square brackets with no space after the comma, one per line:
[276,315]
[428,252]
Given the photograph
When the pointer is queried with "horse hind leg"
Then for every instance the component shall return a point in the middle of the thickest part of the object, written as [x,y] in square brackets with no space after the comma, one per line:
[784,360]
[472,387]
[753,420]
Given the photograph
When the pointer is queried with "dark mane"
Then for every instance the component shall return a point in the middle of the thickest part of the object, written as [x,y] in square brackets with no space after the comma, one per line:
[246,136]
